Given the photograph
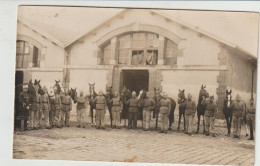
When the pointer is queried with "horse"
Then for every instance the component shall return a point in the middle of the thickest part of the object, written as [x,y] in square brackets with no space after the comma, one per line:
[227,110]
[141,96]
[109,95]
[171,116]
[40,89]
[73,94]
[59,87]
[125,96]
[200,108]
[92,95]
[182,107]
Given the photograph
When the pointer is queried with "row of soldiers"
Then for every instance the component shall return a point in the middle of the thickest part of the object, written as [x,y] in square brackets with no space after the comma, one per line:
[54,111]
[44,111]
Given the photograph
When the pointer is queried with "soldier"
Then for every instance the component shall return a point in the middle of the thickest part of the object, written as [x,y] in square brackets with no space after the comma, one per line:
[57,103]
[25,101]
[251,117]
[66,108]
[210,111]
[101,104]
[148,107]
[238,109]
[165,107]
[45,107]
[35,110]
[189,113]
[117,107]
[133,111]
[81,110]
[52,108]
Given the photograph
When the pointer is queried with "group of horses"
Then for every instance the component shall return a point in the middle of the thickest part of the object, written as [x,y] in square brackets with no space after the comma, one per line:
[126,95]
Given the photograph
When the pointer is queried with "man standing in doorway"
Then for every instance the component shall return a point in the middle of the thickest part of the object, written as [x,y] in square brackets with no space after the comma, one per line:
[211,110]
[189,113]
[133,111]
[101,105]
[165,107]
[238,110]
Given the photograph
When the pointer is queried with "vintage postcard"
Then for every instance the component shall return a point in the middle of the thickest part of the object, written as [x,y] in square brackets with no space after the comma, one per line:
[135,85]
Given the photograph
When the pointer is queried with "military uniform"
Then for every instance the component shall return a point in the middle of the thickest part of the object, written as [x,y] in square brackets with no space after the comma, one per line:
[35,111]
[81,111]
[45,107]
[133,111]
[165,107]
[210,111]
[148,106]
[238,109]
[189,113]
[65,111]
[52,110]
[117,107]
[25,101]
[57,104]
[100,110]
[251,119]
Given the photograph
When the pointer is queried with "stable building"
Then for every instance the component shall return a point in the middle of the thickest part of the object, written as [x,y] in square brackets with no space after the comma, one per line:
[138,49]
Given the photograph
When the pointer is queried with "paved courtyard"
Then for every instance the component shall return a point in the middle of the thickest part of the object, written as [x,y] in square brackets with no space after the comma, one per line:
[123,145]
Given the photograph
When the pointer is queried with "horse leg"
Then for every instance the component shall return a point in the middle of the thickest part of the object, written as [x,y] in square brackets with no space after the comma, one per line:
[198,128]
[184,122]
[156,121]
[91,114]
[179,120]
[228,124]
[111,118]
[170,121]
[204,131]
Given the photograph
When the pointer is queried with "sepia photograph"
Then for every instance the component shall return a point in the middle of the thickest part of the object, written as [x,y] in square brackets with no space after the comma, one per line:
[135,85]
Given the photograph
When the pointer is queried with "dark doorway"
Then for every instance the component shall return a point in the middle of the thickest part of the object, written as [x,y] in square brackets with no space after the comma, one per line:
[18,78]
[135,80]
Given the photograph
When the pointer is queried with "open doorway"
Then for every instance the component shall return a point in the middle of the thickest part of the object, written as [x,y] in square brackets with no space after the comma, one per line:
[135,80]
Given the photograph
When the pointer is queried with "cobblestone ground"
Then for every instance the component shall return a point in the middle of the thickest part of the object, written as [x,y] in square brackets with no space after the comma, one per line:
[123,145]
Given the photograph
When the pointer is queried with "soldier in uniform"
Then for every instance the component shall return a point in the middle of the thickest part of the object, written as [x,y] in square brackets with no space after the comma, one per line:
[251,117]
[25,101]
[189,113]
[117,107]
[66,108]
[210,111]
[148,105]
[101,104]
[45,107]
[57,104]
[133,111]
[81,110]
[165,107]
[35,110]
[52,108]
[238,109]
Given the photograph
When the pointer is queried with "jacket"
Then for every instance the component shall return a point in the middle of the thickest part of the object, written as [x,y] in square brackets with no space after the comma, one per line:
[148,104]
[133,104]
[66,103]
[81,103]
[190,107]
[100,102]
[117,105]
[238,108]
[165,106]
[210,108]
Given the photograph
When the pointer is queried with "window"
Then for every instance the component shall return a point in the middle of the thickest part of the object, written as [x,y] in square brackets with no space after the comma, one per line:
[106,51]
[171,53]
[26,53]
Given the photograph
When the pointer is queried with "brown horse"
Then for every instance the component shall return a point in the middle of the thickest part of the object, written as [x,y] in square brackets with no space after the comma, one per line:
[109,95]
[227,110]
[125,96]
[92,95]
[182,107]
[200,108]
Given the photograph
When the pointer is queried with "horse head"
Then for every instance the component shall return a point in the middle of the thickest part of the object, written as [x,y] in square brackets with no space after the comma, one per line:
[203,92]
[73,94]
[38,87]
[228,97]
[142,94]
[181,94]
[59,86]
[92,89]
